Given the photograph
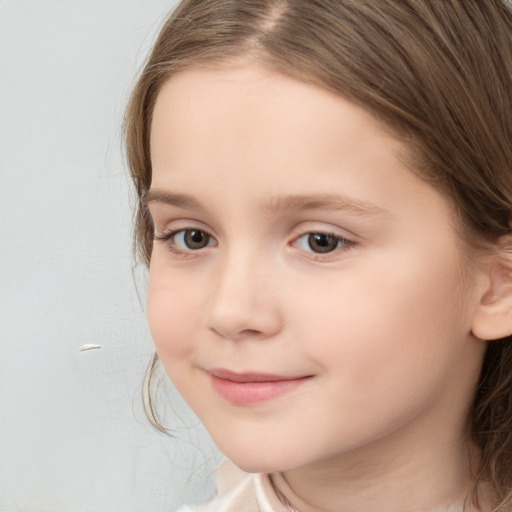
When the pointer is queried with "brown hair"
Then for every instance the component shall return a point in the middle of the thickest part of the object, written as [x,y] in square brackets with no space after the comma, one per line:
[437,73]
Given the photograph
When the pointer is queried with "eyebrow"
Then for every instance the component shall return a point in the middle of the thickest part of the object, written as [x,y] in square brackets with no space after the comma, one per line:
[275,204]
[171,199]
[332,202]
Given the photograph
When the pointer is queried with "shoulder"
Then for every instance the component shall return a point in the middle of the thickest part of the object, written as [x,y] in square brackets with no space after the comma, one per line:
[237,491]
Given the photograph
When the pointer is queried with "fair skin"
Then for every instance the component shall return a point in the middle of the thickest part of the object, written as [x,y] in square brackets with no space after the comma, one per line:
[298,244]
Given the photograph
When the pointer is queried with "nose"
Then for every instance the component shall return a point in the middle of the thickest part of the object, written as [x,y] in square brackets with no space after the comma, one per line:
[244,302]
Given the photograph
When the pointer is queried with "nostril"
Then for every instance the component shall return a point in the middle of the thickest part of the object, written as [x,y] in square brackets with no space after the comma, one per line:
[250,332]
[244,333]
[236,311]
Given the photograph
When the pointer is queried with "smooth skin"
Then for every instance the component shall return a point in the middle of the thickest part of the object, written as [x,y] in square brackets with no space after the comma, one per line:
[292,239]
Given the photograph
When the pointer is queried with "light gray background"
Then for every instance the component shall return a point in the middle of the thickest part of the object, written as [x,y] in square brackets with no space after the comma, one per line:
[73,436]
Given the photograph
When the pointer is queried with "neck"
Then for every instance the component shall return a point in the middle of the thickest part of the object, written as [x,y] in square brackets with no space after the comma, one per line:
[433,476]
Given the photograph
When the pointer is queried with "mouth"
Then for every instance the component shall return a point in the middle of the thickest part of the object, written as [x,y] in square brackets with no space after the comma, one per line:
[252,388]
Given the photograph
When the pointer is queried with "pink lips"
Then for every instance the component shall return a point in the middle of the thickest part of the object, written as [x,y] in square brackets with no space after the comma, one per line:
[252,388]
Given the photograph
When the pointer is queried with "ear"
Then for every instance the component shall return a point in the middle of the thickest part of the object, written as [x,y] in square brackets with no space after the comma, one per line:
[493,317]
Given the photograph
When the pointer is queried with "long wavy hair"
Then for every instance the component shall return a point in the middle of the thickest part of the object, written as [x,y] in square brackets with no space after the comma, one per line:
[438,73]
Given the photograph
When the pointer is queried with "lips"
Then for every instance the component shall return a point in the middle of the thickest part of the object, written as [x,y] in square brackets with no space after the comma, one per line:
[248,388]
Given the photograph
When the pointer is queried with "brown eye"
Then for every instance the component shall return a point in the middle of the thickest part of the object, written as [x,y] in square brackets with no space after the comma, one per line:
[186,240]
[193,239]
[323,242]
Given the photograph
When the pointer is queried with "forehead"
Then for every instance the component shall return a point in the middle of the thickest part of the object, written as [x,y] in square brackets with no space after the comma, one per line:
[251,117]
[203,91]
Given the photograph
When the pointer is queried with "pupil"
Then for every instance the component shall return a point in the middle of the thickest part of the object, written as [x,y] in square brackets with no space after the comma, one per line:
[196,239]
[322,243]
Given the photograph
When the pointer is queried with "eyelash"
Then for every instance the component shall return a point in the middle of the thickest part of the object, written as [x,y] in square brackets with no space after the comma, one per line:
[169,239]
[341,242]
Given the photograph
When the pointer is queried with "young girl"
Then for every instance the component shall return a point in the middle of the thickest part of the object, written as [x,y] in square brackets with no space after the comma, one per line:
[324,205]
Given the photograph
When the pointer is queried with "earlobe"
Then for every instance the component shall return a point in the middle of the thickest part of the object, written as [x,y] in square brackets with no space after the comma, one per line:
[493,317]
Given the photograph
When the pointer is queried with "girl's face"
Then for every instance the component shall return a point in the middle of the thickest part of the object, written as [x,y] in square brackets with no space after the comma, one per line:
[308,294]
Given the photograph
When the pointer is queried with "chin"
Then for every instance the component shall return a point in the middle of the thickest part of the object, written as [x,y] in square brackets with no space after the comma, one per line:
[256,466]
[256,460]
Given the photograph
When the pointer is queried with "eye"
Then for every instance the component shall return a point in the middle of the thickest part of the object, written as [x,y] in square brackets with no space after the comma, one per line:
[185,240]
[192,239]
[321,243]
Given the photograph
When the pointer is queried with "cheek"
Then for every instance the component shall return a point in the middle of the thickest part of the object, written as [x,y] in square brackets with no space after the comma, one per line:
[370,321]
[385,342]
[172,312]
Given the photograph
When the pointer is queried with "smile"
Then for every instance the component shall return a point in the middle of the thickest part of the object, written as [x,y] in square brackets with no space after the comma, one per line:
[246,389]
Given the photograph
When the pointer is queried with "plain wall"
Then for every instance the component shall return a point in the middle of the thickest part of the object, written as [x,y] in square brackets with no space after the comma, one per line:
[73,436]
